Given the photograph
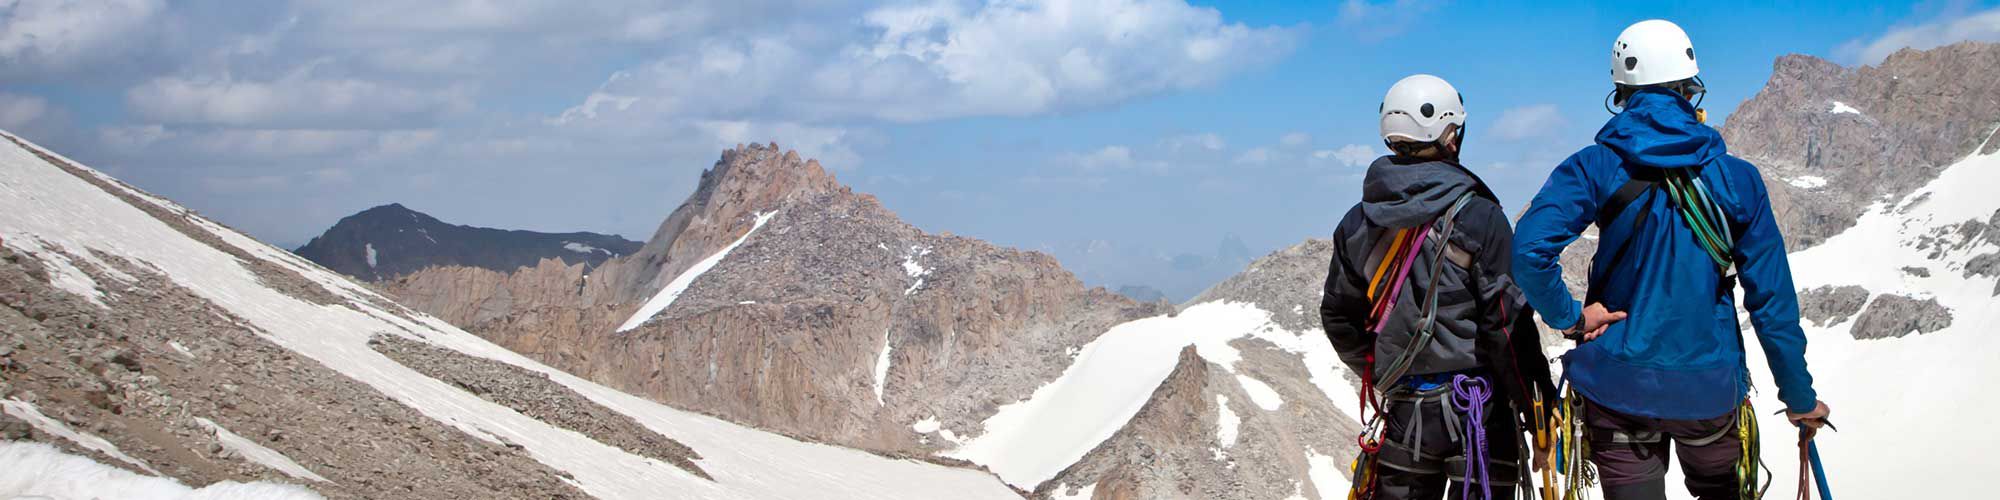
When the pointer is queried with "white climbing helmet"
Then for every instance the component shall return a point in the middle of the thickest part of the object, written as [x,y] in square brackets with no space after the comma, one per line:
[1652,52]
[1419,108]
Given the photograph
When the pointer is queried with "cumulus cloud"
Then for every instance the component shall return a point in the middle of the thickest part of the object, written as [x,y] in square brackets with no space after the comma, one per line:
[1295,139]
[947,59]
[1529,122]
[17,111]
[1351,155]
[299,99]
[1254,156]
[55,36]
[1375,21]
[1194,142]
[1945,30]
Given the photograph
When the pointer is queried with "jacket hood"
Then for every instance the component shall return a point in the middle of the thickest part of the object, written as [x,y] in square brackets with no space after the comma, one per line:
[1658,129]
[1401,192]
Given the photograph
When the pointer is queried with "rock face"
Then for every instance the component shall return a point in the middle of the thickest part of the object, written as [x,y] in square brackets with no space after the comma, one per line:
[1832,140]
[832,321]
[1895,316]
[1831,305]
[1203,435]
[390,240]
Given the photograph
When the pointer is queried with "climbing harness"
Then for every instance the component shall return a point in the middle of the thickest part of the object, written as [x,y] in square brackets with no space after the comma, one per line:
[1469,395]
[1393,264]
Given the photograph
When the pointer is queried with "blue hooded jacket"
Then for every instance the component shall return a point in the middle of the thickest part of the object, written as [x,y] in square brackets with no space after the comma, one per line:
[1680,354]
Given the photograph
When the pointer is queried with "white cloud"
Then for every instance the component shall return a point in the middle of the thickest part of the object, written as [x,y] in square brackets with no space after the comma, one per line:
[946,59]
[1193,142]
[1351,155]
[1527,122]
[61,35]
[1375,21]
[1108,157]
[1978,26]
[1255,156]
[17,111]
[1295,139]
[296,100]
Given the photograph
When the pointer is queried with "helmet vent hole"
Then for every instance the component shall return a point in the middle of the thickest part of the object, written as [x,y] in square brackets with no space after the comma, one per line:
[1690,53]
[1428,110]
[1631,63]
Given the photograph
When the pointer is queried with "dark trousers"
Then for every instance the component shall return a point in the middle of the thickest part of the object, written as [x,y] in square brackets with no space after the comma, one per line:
[1630,453]
[1423,453]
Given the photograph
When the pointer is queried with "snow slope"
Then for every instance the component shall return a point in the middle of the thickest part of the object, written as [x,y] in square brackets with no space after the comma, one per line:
[1914,412]
[680,284]
[36,470]
[1114,376]
[43,202]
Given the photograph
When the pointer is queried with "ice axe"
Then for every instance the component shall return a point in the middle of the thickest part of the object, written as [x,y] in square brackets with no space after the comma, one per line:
[1809,458]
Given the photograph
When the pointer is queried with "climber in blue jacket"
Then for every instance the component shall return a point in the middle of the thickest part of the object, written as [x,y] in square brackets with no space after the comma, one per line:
[1661,354]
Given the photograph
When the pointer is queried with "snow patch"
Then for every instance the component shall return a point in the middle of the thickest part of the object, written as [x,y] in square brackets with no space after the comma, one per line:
[63,273]
[930,425]
[1260,393]
[680,284]
[1325,473]
[370,248]
[28,413]
[1114,375]
[583,249]
[1841,107]
[180,348]
[1807,182]
[914,269]
[258,453]
[1226,422]
[1066,492]
[30,470]
[882,366]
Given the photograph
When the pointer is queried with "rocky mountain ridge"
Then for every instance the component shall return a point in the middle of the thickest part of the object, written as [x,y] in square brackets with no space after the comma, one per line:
[391,240]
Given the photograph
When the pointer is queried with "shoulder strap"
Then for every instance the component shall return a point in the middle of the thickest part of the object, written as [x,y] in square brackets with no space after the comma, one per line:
[1643,180]
[1422,339]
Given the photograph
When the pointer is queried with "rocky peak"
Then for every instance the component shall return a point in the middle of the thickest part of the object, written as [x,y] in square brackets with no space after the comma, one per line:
[748,180]
[1832,140]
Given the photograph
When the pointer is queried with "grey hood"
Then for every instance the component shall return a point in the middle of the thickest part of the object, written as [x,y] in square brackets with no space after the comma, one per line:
[1400,192]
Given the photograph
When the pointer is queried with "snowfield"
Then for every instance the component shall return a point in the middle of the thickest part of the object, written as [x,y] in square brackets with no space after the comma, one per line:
[1114,376]
[1913,410]
[41,201]
[680,284]
[39,471]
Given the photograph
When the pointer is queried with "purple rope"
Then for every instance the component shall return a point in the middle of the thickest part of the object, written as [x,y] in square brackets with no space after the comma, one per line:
[1470,394]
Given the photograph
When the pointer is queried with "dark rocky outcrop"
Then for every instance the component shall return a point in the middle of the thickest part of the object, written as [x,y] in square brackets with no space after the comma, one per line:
[1895,316]
[391,240]
[1829,305]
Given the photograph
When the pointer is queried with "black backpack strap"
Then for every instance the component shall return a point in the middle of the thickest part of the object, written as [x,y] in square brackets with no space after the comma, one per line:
[1449,221]
[1643,180]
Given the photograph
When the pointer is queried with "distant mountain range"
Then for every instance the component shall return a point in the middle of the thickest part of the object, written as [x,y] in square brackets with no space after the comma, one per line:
[391,240]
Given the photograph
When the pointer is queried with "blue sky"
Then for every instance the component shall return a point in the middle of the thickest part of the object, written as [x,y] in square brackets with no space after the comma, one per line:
[1129,138]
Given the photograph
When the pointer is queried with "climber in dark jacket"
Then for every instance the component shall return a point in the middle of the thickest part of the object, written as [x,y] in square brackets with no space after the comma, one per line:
[1675,366]
[1427,227]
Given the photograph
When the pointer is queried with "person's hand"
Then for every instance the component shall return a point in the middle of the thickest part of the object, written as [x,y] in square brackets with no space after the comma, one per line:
[1596,318]
[1814,419]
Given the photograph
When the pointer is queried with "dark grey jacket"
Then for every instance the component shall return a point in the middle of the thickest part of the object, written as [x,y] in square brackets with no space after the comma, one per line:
[1478,306]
